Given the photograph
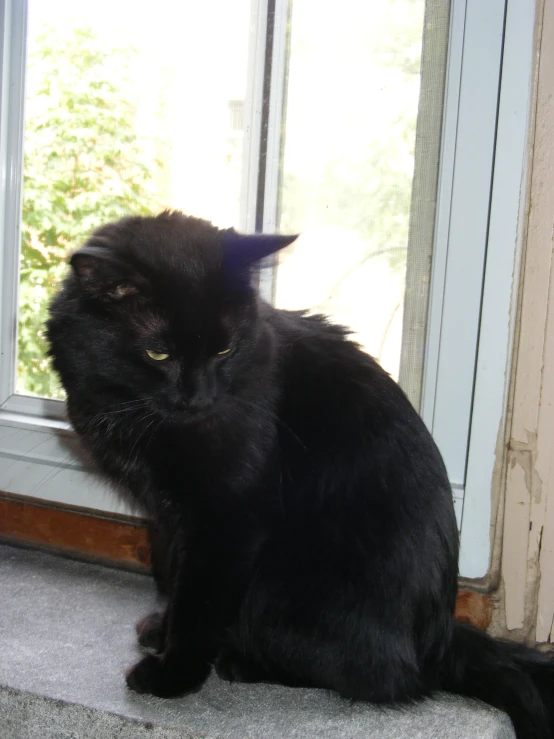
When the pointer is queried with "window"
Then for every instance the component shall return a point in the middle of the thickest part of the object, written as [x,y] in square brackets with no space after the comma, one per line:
[384,133]
[112,127]
[351,102]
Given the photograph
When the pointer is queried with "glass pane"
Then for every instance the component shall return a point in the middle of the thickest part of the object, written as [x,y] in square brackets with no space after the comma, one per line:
[130,108]
[354,89]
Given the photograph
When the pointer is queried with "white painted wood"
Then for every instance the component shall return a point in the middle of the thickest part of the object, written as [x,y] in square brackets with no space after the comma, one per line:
[516,527]
[274,142]
[497,321]
[458,507]
[5,24]
[533,402]
[45,463]
[65,486]
[538,262]
[13,42]
[543,214]
[545,606]
[34,406]
[468,231]
[444,204]
[275,123]
[253,116]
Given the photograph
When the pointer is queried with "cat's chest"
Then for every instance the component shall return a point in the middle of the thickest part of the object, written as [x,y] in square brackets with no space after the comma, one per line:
[219,463]
[223,462]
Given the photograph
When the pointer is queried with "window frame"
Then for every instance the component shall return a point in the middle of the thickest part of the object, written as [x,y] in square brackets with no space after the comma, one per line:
[489,83]
[510,187]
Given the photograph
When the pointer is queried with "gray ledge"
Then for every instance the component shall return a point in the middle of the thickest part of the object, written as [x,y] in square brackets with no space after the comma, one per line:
[67,635]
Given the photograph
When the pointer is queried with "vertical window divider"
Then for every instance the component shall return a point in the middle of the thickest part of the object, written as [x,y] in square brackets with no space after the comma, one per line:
[263,134]
[274,147]
[253,116]
[13,41]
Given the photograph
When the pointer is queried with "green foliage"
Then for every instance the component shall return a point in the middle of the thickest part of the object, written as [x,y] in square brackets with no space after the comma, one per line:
[83,166]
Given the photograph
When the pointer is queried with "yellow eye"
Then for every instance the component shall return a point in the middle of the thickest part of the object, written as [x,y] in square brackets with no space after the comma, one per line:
[156,356]
[225,351]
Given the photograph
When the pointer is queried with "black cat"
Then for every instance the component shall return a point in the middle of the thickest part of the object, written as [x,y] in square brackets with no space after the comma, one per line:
[304,510]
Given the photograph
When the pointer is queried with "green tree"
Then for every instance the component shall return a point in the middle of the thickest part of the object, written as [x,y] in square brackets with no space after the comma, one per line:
[83,165]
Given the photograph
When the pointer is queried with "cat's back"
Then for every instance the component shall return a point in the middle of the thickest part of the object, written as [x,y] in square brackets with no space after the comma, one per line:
[348,427]
[327,376]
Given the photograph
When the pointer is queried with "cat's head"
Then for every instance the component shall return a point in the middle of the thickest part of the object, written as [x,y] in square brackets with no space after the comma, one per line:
[161,311]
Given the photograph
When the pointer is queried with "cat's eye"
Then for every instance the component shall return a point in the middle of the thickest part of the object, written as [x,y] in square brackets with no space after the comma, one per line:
[156,356]
[225,351]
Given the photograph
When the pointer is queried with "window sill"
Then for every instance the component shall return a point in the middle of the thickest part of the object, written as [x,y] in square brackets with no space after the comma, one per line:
[41,458]
[67,636]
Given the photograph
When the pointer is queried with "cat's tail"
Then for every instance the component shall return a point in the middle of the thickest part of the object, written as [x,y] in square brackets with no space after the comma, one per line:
[517,679]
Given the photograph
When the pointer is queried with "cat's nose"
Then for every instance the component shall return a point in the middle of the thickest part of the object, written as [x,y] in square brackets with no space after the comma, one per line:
[201,402]
[203,392]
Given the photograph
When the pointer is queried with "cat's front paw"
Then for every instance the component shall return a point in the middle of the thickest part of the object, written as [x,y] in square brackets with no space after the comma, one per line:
[166,675]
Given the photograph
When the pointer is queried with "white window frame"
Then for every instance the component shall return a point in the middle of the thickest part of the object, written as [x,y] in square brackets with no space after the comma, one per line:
[481,194]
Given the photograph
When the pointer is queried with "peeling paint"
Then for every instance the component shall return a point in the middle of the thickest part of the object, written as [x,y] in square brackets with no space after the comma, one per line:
[524,604]
[516,532]
[537,487]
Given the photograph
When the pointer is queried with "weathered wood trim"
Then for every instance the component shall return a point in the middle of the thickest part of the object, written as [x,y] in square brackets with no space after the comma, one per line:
[474,608]
[528,535]
[543,492]
[85,536]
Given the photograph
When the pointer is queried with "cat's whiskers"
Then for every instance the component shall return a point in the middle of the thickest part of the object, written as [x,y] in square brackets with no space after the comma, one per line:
[128,410]
[105,415]
[152,433]
[139,437]
[129,402]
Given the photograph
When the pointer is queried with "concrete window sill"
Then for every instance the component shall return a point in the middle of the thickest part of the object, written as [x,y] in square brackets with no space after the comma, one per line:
[67,634]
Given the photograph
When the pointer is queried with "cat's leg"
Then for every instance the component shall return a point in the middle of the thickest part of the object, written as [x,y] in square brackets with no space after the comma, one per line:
[313,625]
[160,556]
[379,667]
[179,666]
[184,663]
[196,617]
[151,631]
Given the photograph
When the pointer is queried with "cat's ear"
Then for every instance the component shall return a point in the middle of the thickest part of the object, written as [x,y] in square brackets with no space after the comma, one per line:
[244,250]
[102,272]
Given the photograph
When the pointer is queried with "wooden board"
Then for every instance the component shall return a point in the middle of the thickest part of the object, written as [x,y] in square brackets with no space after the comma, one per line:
[84,536]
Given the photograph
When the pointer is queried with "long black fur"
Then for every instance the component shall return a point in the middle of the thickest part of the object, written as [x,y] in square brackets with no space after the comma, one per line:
[304,521]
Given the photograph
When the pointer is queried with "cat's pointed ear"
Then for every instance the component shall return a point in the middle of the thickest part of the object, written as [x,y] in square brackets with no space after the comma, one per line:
[245,250]
[101,271]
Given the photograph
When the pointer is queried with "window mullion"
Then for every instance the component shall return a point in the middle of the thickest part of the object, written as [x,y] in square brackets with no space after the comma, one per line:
[265,110]
[11,162]
[466,238]
[497,324]
[274,145]
[253,112]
